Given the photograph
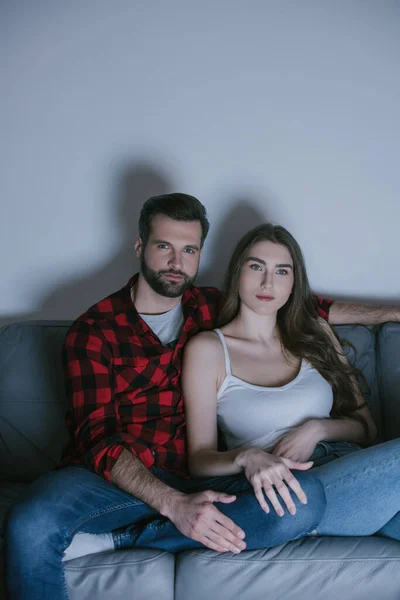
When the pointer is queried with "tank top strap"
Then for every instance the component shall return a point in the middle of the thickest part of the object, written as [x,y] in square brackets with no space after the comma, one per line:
[226,353]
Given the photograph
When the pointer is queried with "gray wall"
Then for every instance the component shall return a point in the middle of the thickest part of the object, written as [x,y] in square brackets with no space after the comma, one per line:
[279,110]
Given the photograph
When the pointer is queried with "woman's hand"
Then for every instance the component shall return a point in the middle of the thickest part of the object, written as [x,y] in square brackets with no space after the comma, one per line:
[266,471]
[300,442]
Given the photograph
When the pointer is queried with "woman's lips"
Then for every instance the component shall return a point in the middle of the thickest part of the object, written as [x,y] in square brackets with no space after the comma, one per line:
[265,298]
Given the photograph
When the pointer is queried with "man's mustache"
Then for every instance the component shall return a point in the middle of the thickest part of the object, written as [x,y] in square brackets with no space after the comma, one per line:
[172,272]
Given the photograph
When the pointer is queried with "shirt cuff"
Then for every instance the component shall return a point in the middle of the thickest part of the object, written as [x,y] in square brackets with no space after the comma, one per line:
[102,459]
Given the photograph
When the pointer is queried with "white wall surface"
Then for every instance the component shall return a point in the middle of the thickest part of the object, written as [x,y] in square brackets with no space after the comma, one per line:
[265,110]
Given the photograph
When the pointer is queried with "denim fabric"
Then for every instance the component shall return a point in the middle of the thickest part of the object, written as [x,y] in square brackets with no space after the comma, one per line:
[350,492]
[326,452]
[362,489]
[41,526]
[262,530]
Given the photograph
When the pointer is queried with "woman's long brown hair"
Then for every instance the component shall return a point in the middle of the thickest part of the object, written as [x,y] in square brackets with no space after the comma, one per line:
[301,334]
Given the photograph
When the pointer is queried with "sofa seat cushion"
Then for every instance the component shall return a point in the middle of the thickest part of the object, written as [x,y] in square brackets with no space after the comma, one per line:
[324,568]
[128,574]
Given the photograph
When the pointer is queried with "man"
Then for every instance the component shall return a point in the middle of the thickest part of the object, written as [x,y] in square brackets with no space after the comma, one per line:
[124,470]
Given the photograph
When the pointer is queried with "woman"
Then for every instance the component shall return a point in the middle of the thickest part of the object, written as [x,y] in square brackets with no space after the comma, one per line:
[276,382]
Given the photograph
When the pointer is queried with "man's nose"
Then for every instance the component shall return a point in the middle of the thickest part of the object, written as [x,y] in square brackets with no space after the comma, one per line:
[175,260]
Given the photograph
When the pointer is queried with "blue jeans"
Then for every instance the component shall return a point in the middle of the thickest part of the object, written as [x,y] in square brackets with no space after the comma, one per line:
[350,492]
[41,526]
[362,489]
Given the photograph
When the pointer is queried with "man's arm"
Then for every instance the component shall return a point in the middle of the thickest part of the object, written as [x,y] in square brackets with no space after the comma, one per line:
[194,515]
[346,313]
[124,460]
[93,418]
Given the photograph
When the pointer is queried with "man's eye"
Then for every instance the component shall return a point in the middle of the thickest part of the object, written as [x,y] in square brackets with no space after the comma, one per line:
[162,246]
[189,250]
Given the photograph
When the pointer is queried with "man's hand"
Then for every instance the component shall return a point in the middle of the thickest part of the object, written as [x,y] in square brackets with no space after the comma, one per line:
[300,442]
[196,517]
[193,514]
[266,472]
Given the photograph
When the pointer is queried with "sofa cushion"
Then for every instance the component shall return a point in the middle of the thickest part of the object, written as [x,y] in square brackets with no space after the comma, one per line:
[363,357]
[311,568]
[32,398]
[389,377]
[127,574]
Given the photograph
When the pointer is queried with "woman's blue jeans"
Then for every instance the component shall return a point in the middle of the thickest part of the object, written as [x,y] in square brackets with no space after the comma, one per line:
[358,494]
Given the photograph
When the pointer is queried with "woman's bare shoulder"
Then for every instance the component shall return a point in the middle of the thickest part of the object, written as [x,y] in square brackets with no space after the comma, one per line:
[205,342]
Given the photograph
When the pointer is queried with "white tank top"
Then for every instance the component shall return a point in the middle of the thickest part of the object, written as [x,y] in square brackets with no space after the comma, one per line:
[254,415]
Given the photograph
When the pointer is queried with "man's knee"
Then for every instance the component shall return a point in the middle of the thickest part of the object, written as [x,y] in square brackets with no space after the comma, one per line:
[30,525]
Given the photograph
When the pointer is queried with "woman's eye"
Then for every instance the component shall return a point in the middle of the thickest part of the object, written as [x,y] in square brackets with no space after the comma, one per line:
[282,272]
[255,267]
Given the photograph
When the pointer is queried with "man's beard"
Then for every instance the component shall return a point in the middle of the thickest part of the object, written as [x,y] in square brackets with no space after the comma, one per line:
[165,287]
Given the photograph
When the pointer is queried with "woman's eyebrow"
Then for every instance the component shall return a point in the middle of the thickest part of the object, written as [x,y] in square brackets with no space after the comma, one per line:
[255,259]
[262,262]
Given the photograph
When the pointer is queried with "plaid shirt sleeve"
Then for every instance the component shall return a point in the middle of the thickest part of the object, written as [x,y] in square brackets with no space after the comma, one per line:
[323,306]
[93,412]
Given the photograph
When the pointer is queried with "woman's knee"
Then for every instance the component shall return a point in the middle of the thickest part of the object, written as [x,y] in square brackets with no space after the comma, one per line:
[316,498]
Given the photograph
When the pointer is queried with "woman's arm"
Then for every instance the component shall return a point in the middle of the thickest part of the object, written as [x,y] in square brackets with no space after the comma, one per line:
[202,372]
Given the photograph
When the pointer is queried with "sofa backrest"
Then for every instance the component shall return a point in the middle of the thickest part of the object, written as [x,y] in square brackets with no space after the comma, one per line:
[33,402]
[361,352]
[388,370]
[32,398]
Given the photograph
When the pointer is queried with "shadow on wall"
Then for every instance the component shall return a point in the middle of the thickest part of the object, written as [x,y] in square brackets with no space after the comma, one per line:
[242,217]
[67,301]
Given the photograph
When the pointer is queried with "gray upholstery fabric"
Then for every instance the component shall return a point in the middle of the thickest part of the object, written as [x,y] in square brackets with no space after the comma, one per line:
[131,575]
[310,569]
[389,377]
[32,399]
[362,356]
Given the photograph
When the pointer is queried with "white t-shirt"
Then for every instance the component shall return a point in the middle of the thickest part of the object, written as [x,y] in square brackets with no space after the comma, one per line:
[167,326]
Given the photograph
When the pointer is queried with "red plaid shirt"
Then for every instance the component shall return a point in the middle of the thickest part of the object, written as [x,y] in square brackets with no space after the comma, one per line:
[123,385]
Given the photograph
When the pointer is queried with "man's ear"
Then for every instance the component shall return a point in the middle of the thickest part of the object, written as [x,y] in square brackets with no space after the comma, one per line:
[138,246]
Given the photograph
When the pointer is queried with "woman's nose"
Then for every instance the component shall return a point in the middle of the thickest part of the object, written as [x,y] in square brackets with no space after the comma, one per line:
[267,280]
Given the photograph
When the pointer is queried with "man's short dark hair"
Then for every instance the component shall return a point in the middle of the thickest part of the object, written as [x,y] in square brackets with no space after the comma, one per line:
[180,207]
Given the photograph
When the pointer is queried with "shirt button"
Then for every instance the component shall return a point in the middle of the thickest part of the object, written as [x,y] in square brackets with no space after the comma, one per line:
[153,452]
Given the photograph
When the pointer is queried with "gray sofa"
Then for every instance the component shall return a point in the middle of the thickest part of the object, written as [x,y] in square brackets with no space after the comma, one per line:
[32,433]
